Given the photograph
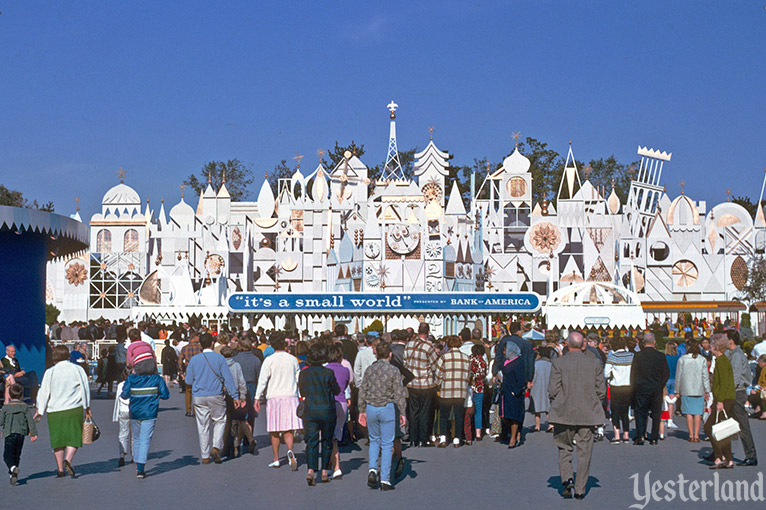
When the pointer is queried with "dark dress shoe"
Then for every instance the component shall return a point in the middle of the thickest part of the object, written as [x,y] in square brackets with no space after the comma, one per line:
[579,496]
[653,442]
[386,487]
[638,442]
[748,462]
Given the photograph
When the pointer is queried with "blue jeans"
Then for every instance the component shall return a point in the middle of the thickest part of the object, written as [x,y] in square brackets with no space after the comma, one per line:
[478,401]
[142,439]
[381,426]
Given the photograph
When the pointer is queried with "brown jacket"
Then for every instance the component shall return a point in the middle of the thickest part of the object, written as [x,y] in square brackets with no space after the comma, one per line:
[576,389]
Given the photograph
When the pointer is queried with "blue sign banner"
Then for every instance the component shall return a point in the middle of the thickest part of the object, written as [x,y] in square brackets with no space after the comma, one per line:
[348,303]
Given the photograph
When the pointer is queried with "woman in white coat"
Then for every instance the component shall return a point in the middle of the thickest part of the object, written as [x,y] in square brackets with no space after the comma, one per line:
[693,387]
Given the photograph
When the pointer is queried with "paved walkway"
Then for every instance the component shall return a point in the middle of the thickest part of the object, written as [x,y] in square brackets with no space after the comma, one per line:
[484,474]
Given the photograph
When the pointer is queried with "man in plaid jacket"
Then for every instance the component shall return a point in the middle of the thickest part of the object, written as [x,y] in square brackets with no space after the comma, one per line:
[420,358]
[453,373]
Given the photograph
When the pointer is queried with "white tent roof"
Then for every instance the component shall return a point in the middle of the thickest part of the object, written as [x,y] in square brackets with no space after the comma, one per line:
[594,304]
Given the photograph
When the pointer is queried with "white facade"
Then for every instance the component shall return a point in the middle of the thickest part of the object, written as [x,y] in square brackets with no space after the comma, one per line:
[332,230]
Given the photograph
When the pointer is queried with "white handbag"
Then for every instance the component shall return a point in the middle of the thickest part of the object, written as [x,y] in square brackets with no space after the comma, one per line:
[726,428]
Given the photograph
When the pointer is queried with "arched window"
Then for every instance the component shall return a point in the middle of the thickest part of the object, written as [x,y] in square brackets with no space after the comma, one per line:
[130,240]
[104,241]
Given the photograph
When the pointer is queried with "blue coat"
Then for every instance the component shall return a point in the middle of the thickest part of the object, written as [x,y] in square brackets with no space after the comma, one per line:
[512,390]
[144,392]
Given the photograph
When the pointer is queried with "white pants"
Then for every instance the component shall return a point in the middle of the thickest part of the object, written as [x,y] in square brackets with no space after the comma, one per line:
[124,437]
[207,410]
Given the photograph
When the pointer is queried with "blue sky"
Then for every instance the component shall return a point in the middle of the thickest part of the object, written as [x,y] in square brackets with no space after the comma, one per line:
[160,88]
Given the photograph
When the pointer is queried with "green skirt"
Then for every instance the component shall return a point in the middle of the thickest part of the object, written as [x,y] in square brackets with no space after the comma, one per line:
[65,428]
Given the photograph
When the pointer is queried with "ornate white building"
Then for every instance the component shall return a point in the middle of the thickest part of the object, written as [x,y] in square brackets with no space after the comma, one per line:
[333,230]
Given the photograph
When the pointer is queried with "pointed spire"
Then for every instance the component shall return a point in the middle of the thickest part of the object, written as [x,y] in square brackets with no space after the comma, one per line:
[455,203]
[392,170]
[161,217]
[570,178]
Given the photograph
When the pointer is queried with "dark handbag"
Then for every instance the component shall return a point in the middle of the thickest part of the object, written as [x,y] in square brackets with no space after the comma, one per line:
[301,409]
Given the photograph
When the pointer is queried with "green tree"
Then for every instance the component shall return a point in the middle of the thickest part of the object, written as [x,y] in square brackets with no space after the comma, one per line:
[604,171]
[337,154]
[51,314]
[747,204]
[546,166]
[280,171]
[15,198]
[238,177]
[462,174]
[755,288]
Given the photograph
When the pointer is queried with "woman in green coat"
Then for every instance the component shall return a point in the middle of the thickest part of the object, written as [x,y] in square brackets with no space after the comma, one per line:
[723,399]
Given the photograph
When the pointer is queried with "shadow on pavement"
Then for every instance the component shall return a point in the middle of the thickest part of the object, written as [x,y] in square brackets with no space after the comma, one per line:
[554,482]
[181,462]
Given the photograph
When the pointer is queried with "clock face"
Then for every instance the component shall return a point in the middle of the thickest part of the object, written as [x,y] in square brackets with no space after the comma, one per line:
[403,238]
[432,192]
[517,187]
[371,250]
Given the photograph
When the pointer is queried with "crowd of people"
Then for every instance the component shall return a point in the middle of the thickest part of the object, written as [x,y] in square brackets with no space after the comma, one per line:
[399,388]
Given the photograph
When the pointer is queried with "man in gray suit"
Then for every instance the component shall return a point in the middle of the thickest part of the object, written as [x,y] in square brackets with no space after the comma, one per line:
[576,389]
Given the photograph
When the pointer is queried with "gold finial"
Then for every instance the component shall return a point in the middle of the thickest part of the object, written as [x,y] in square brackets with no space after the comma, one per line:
[121,174]
[77,201]
[320,153]
[515,136]
[587,170]
[612,182]
[298,157]
[182,187]
[728,194]
[631,171]
[683,185]
[162,200]
[209,177]
[223,177]
[266,175]
[431,132]
[487,166]
[570,141]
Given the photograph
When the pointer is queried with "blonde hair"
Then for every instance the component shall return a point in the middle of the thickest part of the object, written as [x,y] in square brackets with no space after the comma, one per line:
[719,342]
[671,348]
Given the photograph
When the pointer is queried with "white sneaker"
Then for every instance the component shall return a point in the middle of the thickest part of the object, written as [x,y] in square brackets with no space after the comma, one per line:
[337,474]
[456,441]
[672,425]
[433,439]
[274,464]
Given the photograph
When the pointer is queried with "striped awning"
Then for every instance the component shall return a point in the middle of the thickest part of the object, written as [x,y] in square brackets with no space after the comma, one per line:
[693,306]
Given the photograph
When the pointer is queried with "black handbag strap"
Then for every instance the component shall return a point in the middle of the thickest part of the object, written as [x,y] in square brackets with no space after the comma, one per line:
[219,377]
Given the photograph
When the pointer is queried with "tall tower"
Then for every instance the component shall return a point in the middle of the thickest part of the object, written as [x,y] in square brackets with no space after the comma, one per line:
[645,190]
[392,171]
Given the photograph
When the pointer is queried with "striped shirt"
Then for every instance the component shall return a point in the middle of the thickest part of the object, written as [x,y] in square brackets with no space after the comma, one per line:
[420,359]
[453,373]
[617,367]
